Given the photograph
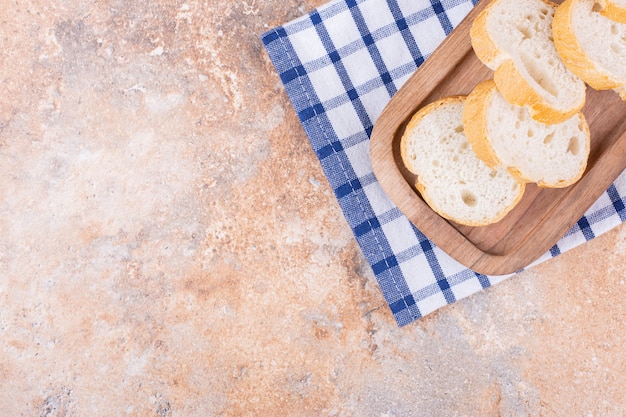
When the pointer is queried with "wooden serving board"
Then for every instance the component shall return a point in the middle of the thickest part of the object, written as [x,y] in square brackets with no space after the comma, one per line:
[543,216]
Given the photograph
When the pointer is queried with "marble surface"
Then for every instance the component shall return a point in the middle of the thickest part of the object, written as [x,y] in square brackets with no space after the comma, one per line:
[169,246]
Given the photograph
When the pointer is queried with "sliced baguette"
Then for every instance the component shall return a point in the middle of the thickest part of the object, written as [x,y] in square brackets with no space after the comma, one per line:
[504,136]
[591,45]
[450,178]
[514,38]
[614,9]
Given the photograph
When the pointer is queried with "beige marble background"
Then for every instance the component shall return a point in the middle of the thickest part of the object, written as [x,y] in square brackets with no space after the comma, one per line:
[169,246]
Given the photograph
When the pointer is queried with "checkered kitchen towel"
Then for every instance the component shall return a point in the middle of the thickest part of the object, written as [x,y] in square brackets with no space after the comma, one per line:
[340,65]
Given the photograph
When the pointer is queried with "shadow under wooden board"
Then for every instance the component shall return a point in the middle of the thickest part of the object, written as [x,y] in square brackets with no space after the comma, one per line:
[543,216]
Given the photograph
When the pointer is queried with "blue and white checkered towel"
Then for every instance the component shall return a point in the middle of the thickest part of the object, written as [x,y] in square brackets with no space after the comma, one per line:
[340,65]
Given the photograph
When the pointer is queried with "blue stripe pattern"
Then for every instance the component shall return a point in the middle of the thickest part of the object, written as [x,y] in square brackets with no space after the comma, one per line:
[340,64]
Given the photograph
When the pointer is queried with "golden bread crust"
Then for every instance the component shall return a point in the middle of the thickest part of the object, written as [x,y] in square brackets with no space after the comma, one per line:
[475,123]
[572,53]
[613,11]
[483,46]
[516,90]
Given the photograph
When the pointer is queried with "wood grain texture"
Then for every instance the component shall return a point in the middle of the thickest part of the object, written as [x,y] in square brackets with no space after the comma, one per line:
[543,216]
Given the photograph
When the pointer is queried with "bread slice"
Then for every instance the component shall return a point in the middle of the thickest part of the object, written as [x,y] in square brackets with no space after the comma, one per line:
[591,45]
[514,38]
[450,178]
[504,136]
[614,9]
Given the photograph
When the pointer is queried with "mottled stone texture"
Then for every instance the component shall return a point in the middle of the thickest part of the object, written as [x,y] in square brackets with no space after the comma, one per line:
[169,246]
